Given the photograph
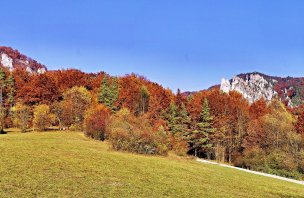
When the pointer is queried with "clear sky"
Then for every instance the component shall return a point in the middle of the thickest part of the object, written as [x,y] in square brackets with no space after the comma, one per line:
[190,44]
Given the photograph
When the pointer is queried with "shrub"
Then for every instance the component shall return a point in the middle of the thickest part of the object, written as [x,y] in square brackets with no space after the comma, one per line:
[253,159]
[163,141]
[276,162]
[135,134]
[76,127]
[180,148]
[301,162]
[178,145]
[96,119]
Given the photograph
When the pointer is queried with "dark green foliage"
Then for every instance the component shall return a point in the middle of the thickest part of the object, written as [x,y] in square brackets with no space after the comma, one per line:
[184,120]
[178,119]
[109,92]
[171,117]
[2,89]
[12,90]
[200,136]
[2,76]
[298,98]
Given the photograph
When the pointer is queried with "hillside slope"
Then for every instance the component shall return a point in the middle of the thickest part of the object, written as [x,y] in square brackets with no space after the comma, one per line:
[70,165]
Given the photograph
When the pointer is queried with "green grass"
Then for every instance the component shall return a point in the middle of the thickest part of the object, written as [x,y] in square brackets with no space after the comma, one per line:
[66,164]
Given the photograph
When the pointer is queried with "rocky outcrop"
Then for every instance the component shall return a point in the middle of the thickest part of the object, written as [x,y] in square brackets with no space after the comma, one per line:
[252,86]
[6,61]
[12,59]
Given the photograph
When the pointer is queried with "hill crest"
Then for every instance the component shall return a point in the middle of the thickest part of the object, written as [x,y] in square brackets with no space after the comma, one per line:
[11,59]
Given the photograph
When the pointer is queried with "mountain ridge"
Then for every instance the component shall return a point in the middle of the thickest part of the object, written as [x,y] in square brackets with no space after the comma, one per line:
[253,85]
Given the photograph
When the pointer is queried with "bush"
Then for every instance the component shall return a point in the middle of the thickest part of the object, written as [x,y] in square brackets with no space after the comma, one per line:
[179,146]
[301,162]
[76,127]
[253,159]
[163,141]
[96,119]
[276,162]
[135,134]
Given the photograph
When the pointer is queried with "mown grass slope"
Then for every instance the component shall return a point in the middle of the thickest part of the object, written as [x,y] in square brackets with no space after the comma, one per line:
[66,164]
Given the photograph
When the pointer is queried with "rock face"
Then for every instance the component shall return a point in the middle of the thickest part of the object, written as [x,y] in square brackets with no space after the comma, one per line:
[6,61]
[252,86]
[12,59]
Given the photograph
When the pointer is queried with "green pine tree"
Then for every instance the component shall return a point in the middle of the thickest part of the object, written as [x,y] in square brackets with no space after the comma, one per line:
[171,117]
[2,84]
[200,137]
[109,92]
[178,119]
[2,88]
[184,119]
[12,90]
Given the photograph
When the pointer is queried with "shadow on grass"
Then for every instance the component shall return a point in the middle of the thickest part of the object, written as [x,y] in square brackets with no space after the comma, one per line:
[2,132]
[16,130]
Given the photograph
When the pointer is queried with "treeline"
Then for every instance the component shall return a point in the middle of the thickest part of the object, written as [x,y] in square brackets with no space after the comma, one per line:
[267,137]
[140,116]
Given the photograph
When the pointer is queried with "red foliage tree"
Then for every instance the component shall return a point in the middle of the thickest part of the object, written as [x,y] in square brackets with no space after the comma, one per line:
[95,122]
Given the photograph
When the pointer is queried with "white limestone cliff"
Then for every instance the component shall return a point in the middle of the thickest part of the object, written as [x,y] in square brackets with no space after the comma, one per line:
[7,61]
[253,87]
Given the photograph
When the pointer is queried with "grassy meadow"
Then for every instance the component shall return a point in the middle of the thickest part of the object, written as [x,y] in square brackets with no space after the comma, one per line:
[67,164]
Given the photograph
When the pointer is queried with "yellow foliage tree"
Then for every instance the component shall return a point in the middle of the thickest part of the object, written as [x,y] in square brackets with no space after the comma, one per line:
[42,117]
[278,125]
[21,116]
[76,102]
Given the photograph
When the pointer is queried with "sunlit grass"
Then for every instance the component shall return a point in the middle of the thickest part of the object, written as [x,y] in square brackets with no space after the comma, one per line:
[67,164]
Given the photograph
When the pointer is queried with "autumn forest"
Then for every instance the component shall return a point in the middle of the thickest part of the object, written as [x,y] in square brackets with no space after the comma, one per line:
[139,116]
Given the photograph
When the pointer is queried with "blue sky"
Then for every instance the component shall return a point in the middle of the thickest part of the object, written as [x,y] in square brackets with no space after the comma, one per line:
[179,43]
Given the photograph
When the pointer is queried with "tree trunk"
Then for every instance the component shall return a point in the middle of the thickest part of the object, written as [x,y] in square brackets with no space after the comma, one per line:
[223,155]
[208,156]
[230,155]
[217,152]
[59,123]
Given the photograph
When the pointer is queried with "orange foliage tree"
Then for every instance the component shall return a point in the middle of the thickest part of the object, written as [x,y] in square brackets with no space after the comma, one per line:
[37,89]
